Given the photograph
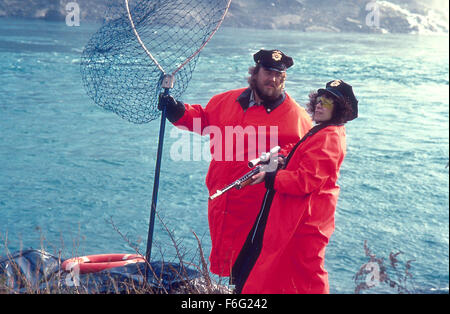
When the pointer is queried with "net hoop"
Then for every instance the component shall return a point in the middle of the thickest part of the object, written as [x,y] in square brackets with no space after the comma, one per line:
[189,58]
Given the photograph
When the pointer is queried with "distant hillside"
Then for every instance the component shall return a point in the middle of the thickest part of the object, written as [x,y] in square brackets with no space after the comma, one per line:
[395,16]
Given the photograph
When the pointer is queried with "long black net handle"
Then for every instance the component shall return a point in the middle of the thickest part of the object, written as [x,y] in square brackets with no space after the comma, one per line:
[167,84]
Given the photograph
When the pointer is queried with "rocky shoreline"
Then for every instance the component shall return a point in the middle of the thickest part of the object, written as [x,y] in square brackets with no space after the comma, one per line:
[367,16]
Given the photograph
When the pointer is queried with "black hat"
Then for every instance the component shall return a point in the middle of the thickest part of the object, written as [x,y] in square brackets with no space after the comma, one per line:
[273,60]
[342,91]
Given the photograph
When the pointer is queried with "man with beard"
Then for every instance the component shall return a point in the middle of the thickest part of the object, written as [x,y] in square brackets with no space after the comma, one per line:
[241,124]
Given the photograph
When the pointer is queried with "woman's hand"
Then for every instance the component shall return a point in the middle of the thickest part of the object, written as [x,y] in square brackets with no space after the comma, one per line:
[281,162]
[258,178]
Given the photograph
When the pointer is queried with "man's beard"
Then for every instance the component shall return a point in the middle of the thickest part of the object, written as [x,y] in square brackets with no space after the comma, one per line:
[266,97]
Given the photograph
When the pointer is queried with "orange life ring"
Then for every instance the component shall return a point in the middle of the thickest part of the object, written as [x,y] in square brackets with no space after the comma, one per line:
[95,263]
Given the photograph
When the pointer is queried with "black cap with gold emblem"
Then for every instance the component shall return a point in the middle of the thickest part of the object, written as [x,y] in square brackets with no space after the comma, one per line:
[341,90]
[274,60]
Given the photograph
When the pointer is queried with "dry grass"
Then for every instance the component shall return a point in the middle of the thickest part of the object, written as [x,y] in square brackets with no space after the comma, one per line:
[375,273]
[54,280]
[394,274]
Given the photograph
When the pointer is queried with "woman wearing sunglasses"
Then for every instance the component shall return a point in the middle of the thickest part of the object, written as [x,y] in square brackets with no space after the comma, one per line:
[285,250]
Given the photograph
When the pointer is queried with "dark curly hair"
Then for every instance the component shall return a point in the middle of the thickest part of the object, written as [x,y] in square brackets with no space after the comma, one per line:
[342,111]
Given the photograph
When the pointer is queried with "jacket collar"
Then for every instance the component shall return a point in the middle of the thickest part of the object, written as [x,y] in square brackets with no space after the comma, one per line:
[244,100]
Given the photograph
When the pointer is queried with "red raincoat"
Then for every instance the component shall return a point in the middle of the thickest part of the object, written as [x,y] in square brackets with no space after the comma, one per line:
[301,218]
[236,136]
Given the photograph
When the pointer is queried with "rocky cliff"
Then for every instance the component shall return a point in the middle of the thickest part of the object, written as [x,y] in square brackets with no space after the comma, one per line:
[370,16]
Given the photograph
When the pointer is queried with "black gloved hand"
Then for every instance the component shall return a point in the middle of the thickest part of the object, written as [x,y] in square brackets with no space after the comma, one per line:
[175,109]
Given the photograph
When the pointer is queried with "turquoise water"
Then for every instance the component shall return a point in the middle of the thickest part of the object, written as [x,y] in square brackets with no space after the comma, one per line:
[67,167]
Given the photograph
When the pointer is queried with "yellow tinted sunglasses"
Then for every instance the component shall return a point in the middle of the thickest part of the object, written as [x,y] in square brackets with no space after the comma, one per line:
[326,102]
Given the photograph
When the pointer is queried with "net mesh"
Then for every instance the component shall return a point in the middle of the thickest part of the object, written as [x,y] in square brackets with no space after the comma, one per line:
[117,72]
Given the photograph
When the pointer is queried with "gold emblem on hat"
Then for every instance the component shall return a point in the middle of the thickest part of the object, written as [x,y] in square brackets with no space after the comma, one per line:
[276,55]
[336,83]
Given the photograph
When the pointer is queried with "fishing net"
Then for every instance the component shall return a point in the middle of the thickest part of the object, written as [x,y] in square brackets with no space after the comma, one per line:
[140,41]
[142,48]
